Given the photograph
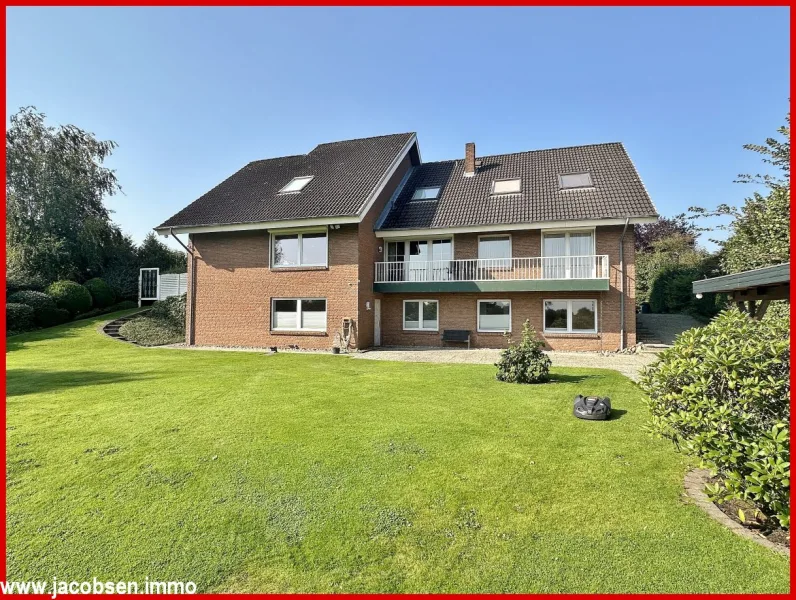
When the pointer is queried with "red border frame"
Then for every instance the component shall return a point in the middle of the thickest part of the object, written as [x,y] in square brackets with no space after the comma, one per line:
[404,3]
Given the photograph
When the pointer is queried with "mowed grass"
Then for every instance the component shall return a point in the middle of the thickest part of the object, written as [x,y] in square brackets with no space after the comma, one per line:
[246,472]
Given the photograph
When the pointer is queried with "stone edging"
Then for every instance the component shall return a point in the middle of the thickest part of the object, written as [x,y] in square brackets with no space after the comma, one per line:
[695,481]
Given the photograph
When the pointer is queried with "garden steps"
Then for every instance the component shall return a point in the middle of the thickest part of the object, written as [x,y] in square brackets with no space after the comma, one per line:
[111,329]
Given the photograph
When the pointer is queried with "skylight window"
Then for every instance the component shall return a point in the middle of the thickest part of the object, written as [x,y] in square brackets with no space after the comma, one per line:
[426,193]
[506,186]
[296,185]
[575,180]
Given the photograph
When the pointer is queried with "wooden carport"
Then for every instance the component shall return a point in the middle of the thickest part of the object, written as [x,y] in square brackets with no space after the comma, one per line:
[752,290]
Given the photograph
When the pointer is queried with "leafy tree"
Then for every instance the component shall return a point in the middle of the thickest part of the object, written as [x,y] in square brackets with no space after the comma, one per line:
[760,229]
[56,222]
[650,233]
[154,253]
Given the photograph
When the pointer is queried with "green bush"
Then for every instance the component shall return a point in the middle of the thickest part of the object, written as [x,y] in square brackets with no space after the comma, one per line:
[52,316]
[71,296]
[17,281]
[721,394]
[524,362]
[149,331]
[35,300]
[19,317]
[95,312]
[171,310]
[101,293]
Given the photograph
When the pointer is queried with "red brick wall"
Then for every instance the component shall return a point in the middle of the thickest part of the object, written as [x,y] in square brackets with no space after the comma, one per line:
[459,310]
[369,255]
[234,288]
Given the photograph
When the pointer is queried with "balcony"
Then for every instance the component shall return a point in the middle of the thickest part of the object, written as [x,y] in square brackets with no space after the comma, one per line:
[553,273]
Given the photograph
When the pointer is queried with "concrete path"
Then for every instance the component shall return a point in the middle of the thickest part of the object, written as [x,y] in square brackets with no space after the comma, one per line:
[628,365]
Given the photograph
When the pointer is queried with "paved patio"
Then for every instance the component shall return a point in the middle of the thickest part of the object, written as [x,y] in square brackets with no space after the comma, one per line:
[628,365]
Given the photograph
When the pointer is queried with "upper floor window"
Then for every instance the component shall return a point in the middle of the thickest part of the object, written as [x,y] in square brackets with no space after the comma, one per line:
[296,184]
[303,249]
[575,180]
[494,248]
[426,193]
[506,186]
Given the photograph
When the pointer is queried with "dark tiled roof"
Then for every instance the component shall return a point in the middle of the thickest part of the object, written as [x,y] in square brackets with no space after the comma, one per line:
[617,193]
[345,173]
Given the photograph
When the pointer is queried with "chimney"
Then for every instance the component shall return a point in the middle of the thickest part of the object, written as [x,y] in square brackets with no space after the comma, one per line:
[469,159]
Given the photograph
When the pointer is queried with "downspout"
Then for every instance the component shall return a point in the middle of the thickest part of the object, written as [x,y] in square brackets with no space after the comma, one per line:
[192,267]
[622,286]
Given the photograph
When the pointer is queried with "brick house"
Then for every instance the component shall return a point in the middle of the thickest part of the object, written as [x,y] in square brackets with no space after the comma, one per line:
[361,240]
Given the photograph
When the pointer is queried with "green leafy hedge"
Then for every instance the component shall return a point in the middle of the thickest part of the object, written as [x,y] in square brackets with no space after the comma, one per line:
[171,310]
[524,362]
[95,312]
[19,317]
[721,394]
[101,293]
[149,331]
[71,296]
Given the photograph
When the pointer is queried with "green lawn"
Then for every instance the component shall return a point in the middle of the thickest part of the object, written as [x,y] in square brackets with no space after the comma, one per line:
[246,472]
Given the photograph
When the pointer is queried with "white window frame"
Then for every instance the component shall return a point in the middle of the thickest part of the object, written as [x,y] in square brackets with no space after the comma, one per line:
[569,329]
[430,241]
[497,235]
[306,178]
[575,187]
[592,230]
[478,316]
[300,232]
[494,181]
[416,198]
[298,326]
[420,314]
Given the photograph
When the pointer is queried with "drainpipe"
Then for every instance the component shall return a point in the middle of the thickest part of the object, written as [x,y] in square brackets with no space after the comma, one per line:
[622,286]
[192,267]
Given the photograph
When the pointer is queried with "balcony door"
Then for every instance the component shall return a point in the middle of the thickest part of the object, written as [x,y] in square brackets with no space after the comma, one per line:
[568,255]
[419,260]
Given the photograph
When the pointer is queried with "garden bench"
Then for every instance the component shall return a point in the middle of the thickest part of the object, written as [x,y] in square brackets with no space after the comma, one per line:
[456,335]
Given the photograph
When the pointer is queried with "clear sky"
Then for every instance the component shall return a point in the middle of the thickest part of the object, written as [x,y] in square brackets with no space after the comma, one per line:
[191,95]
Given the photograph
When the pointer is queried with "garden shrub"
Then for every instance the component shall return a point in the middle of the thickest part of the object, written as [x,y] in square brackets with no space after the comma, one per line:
[71,296]
[524,362]
[101,293]
[170,310]
[95,312]
[52,316]
[19,317]
[149,331]
[43,306]
[721,394]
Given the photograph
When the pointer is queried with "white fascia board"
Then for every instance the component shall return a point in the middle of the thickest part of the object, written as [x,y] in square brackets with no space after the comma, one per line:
[295,223]
[403,233]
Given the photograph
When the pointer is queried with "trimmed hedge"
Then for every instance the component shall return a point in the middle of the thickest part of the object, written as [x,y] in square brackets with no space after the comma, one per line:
[71,296]
[721,394]
[19,317]
[149,331]
[36,300]
[171,310]
[101,293]
[96,312]
[52,316]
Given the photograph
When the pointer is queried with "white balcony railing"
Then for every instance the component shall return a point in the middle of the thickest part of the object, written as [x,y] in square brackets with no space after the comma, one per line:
[491,269]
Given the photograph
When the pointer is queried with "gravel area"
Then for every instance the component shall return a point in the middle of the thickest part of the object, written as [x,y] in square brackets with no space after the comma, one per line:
[628,365]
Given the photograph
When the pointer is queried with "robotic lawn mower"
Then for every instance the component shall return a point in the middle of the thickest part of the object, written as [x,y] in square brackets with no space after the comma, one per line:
[592,408]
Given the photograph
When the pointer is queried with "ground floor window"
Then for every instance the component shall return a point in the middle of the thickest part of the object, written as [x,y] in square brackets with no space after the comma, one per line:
[570,316]
[421,315]
[295,314]
[494,315]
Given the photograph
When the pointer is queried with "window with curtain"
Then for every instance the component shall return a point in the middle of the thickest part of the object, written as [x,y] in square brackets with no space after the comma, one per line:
[568,255]
[495,247]
[298,314]
[494,315]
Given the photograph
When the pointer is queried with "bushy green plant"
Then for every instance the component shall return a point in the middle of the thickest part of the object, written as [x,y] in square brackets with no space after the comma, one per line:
[524,362]
[171,310]
[19,317]
[149,331]
[71,296]
[52,316]
[101,293]
[95,312]
[721,394]
[38,301]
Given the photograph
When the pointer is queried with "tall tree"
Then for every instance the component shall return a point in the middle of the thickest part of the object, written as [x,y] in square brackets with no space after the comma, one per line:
[760,229]
[154,253]
[650,233]
[57,224]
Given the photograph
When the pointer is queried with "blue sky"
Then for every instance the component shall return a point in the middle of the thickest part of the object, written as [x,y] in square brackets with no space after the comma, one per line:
[191,95]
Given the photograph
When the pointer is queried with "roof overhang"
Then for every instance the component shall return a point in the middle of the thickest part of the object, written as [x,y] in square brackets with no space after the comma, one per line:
[757,280]
[311,222]
[402,233]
